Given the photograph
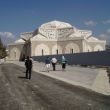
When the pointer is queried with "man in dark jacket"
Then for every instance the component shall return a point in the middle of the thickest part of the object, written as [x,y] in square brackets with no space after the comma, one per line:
[28,64]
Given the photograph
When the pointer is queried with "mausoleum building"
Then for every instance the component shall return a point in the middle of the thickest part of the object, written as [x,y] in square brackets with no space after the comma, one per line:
[54,37]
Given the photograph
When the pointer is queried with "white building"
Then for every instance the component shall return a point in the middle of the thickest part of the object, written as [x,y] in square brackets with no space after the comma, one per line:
[54,37]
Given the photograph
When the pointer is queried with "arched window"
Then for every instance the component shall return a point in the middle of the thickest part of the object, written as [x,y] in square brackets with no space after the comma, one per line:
[57,51]
[71,51]
[71,46]
[98,48]
[42,52]
[42,49]
[15,54]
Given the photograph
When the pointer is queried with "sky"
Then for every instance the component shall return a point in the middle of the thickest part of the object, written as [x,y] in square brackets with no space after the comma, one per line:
[17,16]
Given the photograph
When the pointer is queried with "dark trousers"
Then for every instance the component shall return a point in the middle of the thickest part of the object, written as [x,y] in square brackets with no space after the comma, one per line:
[28,73]
[54,66]
[63,65]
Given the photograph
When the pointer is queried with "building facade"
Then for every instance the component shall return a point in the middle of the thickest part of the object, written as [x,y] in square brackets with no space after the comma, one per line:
[54,37]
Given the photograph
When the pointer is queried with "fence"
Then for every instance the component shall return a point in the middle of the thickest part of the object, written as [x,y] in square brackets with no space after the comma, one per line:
[101,58]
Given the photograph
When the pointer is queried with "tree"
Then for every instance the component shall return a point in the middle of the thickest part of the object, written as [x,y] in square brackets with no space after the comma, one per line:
[3,53]
[108,47]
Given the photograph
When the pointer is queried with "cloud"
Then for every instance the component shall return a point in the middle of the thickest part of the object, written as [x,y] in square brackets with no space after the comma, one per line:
[106,36]
[106,22]
[7,37]
[108,31]
[103,36]
[90,23]
[6,34]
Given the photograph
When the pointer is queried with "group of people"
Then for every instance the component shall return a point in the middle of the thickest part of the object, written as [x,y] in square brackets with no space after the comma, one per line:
[48,62]
[53,61]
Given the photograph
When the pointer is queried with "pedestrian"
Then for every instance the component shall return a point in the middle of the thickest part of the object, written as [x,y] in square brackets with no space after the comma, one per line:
[63,62]
[108,73]
[47,63]
[54,61]
[28,64]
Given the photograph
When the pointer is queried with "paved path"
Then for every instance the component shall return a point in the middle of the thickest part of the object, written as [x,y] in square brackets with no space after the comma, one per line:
[91,78]
[44,93]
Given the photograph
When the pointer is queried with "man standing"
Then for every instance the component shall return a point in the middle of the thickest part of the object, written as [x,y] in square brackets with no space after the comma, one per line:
[54,61]
[28,64]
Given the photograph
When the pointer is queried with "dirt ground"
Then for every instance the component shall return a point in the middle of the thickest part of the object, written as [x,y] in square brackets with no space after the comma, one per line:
[44,93]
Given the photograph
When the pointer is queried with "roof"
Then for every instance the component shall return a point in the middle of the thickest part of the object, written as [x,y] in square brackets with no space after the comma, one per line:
[19,40]
[93,38]
[56,30]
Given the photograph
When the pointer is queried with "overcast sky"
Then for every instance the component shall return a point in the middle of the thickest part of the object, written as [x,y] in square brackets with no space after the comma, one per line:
[17,16]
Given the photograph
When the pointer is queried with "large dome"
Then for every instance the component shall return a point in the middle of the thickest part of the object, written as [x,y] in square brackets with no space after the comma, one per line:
[56,24]
[55,29]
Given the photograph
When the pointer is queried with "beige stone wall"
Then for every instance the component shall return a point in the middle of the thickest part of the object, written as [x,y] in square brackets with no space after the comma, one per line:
[64,44]
[95,46]
[37,43]
[50,47]
[15,51]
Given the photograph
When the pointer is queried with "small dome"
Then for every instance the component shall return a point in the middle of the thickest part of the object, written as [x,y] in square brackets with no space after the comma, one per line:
[56,24]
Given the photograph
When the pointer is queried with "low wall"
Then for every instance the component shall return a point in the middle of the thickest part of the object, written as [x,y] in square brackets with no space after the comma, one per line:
[101,58]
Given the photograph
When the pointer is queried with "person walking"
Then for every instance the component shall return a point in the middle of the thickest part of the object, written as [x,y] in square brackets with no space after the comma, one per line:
[63,62]
[54,61]
[28,64]
[108,73]
[47,63]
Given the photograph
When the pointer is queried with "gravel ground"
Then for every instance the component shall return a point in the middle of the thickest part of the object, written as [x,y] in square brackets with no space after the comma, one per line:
[44,93]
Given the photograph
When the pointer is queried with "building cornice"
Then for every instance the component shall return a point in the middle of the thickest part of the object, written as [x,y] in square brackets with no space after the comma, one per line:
[96,41]
[63,39]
